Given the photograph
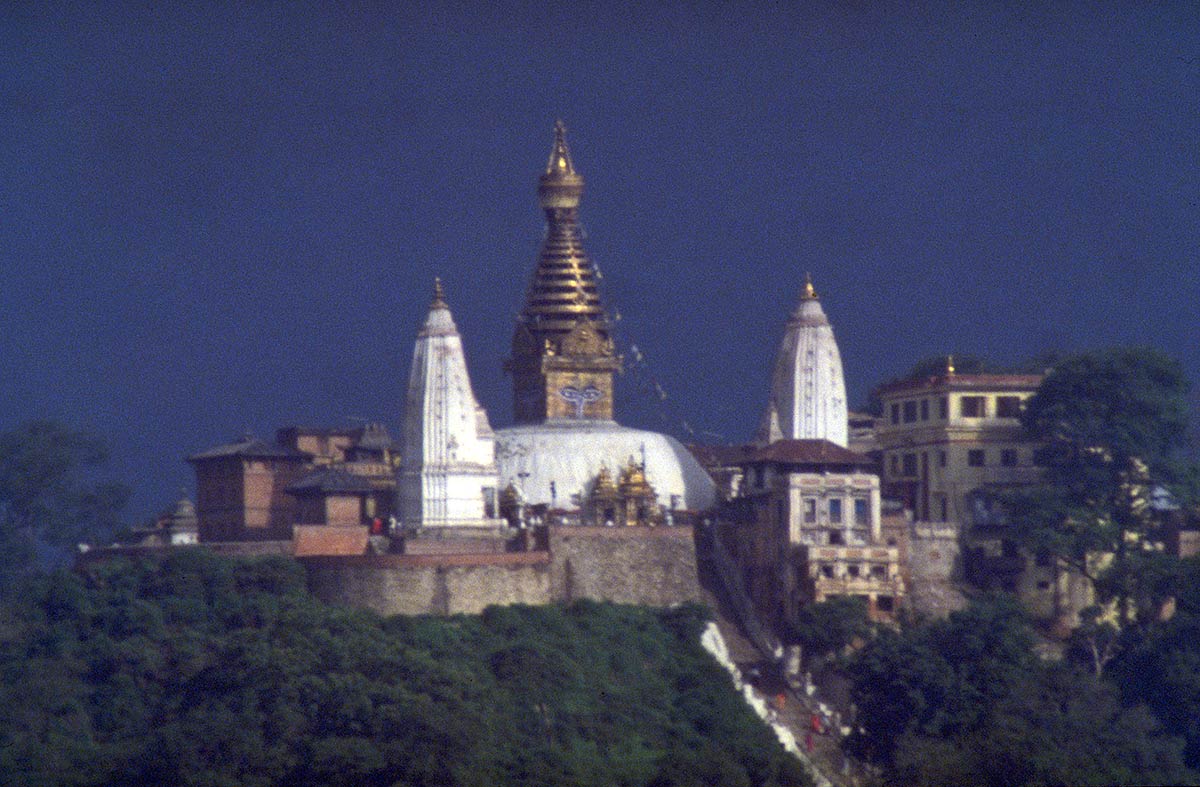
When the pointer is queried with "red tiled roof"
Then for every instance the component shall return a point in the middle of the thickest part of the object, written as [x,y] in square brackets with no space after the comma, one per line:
[807,452]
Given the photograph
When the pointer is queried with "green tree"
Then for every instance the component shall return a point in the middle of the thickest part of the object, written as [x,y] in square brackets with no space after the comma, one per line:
[829,626]
[49,496]
[966,701]
[1111,425]
[195,670]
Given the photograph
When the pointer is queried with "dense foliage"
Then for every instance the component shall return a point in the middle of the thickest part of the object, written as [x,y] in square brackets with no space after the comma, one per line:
[1111,426]
[967,701]
[826,628]
[202,671]
[1160,664]
[49,497]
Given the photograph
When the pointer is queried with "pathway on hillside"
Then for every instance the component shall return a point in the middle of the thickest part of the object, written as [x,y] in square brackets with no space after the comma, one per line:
[796,711]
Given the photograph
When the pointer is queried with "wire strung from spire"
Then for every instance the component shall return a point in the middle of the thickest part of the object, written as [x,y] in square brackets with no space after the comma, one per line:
[648,383]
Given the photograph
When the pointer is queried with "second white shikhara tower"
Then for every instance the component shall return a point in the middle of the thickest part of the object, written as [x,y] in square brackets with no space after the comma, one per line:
[448,471]
[808,390]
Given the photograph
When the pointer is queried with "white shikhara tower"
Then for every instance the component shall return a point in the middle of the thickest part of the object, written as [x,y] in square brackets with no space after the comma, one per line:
[448,469]
[808,391]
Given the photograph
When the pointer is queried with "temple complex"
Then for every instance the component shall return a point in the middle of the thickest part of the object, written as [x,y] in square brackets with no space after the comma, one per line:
[563,363]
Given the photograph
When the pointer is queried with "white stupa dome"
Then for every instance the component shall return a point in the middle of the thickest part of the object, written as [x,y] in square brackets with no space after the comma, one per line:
[570,453]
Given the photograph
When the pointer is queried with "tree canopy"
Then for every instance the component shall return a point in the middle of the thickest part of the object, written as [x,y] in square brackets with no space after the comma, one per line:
[1110,426]
[966,701]
[49,495]
[195,670]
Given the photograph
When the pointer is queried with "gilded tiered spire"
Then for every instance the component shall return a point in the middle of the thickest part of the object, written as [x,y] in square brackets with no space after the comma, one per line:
[563,358]
[563,290]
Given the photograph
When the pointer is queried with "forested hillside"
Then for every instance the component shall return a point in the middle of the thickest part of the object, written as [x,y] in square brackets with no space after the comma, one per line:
[201,671]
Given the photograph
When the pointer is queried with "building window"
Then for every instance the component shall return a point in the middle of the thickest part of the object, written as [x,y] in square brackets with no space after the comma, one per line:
[941,458]
[879,571]
[1008,406]
[835,511]
[1008,457]
[910,465]
[862,511]
[975,457]
[852,570]
[827,571]
[945,512]
[885,604]
[973,406]
[835,538]
[944,408]
[895,413]
[910,412]
[924,409]
[759,477]
[810,510]
[895,464]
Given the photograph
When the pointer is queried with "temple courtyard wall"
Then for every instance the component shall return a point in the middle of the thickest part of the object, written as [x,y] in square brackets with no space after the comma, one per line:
[654,566]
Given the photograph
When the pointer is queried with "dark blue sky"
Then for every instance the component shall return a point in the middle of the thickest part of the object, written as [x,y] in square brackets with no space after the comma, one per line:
[229,219]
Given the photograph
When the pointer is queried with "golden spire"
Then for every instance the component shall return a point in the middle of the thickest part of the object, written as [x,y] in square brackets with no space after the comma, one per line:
[560,186]
[564,286]
[563,355]
[949,365]
[439,297]
[560,155]
[809,293]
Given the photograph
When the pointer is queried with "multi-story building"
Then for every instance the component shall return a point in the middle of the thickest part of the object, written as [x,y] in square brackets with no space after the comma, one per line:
[944,438]
[948,443]
[807,525]
[802,513]
[252,490]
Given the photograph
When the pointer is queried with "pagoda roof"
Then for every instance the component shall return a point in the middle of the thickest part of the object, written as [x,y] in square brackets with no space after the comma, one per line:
[250,447]
[331,480]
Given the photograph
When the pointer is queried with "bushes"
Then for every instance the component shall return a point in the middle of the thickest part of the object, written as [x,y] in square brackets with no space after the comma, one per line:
[197,670]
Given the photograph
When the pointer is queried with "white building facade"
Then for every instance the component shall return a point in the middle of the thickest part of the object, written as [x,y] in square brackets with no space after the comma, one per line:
[447,475]
[808,390]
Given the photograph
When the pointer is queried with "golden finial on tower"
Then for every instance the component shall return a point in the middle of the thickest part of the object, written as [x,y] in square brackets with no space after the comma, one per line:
[439,297]
[949,365]
[560,186]
[809,293]
[560,155]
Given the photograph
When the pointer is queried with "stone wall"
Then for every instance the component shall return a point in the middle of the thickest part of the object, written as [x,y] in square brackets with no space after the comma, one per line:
[632,565]
[934,566]
[655,566]
[430,584]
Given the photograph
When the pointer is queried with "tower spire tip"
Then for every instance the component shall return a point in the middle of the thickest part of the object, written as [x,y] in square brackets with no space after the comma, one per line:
[809,293]
[560,154]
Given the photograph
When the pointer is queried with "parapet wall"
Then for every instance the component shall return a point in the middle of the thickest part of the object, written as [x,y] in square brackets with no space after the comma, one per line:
[431,584]
[631,565]
[655,566]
